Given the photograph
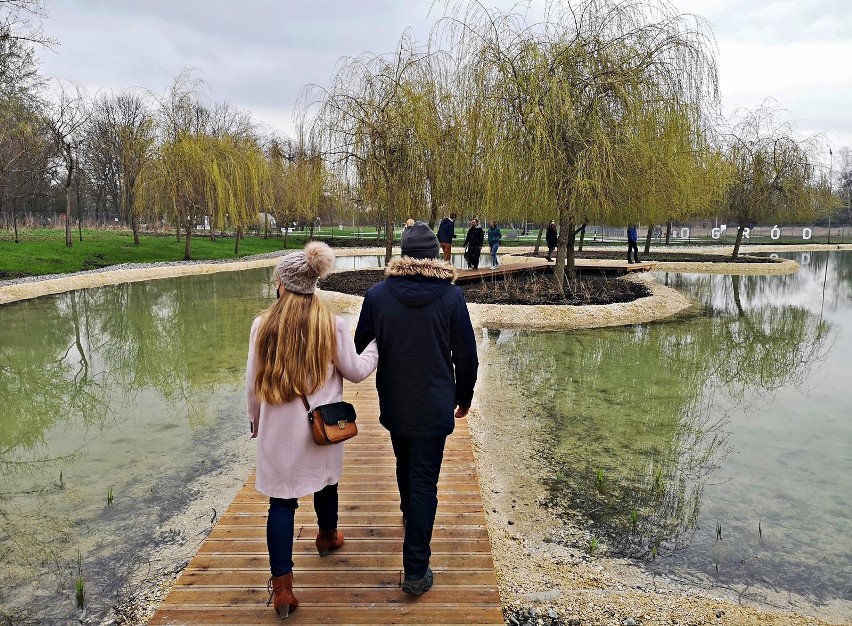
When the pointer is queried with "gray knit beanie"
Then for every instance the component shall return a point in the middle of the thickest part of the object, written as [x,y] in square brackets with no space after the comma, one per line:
[419,242]
[299,272]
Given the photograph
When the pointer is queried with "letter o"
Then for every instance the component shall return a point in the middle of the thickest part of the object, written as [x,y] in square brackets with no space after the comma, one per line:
[775,233]
[715,233]
[684,233]
[806,233]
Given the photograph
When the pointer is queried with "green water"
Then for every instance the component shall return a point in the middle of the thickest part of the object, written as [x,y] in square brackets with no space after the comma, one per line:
[727,431]
[135,388]
[735,414]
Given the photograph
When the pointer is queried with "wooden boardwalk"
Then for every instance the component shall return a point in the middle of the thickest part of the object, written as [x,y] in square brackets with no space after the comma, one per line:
[225,583]
[604,266]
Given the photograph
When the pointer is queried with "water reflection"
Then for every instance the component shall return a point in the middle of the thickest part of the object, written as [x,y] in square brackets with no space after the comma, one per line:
[655,434]
[129,387]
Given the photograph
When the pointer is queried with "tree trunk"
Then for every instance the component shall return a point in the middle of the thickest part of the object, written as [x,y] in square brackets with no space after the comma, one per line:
[648,238]
[238,237]
[538,241]
[265,226]
[286,230]
[212,228]
[69,161]
[79,210]
[311,235]
[566,226]
[582,237]
[668,231]
[187,249]
[738,241]
[68,217]
[178,226]
[388,236]
[134,225]
[15,218]
[735,283]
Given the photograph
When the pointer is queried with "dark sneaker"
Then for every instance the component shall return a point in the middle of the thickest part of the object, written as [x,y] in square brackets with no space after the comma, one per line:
[416,586]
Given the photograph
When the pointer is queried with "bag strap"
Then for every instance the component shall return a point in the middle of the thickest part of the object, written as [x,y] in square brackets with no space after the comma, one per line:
[305,402]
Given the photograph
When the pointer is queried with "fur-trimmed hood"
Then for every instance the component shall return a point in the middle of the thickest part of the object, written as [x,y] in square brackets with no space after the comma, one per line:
[428,268]
[419,282]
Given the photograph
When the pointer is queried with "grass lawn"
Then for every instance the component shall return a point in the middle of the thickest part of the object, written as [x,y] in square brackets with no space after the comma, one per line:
[43,251]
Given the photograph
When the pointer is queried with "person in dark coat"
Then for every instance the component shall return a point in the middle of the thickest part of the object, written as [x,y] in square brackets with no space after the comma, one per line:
[632,239]
[473,243]
[446,234]
[426,374]
[551,237]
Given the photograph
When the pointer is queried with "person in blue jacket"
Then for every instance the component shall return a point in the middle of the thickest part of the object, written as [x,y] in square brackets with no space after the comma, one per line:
[426,374]
[632,239]
[446,234]
[494,237]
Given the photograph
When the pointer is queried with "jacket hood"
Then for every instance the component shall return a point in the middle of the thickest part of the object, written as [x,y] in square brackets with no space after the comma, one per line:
[418,282]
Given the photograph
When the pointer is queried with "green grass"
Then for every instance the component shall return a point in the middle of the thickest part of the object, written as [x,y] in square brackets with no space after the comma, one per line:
[43,251]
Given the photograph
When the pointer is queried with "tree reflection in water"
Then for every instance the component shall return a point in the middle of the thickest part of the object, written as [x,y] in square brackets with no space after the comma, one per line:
[121,386]
[647,408]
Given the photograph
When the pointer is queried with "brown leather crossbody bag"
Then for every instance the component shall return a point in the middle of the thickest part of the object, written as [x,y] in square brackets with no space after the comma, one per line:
[331,423]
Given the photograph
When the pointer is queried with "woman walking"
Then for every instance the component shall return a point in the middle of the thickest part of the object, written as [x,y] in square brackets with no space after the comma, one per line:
[297,350]
[494,237]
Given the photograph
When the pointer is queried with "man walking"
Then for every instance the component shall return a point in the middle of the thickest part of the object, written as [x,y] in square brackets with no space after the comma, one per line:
[552,237]
[446,234]
[473,243]
[426,374]
[632,239]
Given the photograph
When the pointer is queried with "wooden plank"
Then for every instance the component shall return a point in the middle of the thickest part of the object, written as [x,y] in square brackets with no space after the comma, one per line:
[225,583]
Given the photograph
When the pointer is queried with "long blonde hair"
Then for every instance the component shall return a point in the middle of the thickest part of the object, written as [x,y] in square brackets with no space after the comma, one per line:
[295,344]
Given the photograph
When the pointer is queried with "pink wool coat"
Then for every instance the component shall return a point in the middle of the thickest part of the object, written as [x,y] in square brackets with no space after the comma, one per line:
[289,463]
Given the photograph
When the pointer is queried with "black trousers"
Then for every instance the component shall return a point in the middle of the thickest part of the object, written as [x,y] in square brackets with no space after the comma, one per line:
[418,466]
[280,526]
[472,256]
[632,247]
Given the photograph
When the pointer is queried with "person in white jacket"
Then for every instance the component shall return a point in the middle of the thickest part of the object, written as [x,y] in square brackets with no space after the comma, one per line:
[298,348]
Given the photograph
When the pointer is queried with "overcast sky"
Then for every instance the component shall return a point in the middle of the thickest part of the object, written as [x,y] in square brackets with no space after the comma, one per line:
[258,54]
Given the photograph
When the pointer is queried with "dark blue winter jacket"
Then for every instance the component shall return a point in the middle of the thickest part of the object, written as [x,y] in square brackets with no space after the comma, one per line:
[446,231]
[631,234]
[427,348]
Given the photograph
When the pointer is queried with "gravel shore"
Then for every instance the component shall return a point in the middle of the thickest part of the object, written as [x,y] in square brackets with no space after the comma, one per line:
[545,575]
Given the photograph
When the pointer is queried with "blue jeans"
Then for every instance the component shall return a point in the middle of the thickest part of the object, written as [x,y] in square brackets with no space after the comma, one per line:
[280,526]
[418,466]
[494,247]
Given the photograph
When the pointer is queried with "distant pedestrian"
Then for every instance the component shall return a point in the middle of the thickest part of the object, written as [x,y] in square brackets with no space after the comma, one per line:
[473,242]
[632,239]
[446,234]
[494,237]
[552,237]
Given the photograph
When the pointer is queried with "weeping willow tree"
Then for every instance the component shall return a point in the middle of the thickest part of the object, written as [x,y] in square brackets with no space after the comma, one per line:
[566,98]
[671,173]
[771,173]
[199,175]
[368,124]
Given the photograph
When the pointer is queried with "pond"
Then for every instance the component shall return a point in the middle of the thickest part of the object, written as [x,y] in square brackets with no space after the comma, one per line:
[713,448]
[117,403]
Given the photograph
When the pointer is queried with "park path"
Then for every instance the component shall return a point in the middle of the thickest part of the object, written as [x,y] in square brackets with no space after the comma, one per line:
[225,583]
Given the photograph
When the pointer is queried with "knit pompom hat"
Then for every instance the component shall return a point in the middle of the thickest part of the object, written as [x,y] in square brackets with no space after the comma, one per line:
[299,272]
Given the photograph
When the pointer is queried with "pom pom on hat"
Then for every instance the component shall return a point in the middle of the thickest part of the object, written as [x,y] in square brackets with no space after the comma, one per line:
[299,272]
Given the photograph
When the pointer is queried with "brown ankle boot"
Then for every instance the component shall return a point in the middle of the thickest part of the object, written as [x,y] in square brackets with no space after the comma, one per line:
[281,595]
[328,540]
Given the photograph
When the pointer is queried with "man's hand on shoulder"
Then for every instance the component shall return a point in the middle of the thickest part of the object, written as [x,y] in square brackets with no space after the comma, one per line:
[461,412]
